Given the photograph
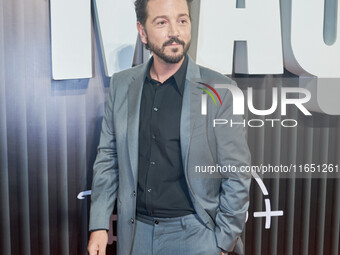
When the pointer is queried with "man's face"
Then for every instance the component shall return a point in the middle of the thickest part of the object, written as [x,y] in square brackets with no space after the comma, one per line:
[167,29]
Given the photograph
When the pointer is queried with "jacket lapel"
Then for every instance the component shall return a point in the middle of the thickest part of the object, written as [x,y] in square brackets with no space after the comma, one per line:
[134,101]
[190,108]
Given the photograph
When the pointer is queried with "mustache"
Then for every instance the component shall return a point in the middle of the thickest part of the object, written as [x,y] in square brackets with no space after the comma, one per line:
[172,40]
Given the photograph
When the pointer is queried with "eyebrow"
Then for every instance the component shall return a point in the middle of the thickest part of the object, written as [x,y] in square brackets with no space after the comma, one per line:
[165,17]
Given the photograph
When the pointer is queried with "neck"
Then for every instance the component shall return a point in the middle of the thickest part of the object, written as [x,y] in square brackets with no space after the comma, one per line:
[161,71]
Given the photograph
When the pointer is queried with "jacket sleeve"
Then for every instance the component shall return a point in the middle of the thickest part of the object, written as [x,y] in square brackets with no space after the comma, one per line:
[105,171]
[232,150]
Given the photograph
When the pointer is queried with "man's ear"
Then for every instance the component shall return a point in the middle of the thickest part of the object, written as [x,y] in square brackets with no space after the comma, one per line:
[142,32]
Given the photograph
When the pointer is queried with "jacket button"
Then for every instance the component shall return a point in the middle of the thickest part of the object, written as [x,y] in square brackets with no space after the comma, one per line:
[156,222]
[132,220]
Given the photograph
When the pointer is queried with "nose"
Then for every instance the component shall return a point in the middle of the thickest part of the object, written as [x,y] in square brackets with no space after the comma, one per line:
[173,30]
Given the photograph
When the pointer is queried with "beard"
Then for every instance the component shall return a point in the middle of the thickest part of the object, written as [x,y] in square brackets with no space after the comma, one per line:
[160,52]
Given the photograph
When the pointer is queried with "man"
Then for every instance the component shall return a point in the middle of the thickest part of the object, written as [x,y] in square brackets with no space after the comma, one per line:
[153,136]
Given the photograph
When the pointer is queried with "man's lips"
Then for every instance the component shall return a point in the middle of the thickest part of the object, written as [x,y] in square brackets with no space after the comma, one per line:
[174,44]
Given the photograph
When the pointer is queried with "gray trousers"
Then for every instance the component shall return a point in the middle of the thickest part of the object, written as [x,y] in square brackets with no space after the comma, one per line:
[184,235]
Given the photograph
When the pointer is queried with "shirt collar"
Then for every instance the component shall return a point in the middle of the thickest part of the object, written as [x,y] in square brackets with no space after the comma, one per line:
[179,76]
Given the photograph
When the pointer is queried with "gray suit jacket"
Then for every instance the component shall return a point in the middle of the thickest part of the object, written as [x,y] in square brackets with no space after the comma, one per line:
[220,200]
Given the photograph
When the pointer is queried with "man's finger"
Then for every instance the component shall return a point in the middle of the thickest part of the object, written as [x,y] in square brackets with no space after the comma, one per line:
[93,252]
[92,249]
[98,242]
[102,250]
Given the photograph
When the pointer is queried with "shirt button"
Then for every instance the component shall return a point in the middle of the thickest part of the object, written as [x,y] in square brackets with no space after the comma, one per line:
[153,163]
[155,109]
[153,137]
[149,190]
[132,220]
[134,193]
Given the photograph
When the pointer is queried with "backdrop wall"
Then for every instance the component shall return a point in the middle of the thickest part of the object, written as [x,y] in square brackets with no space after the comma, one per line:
[49,132]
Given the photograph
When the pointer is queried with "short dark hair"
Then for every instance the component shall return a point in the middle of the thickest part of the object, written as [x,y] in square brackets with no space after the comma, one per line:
[140,8]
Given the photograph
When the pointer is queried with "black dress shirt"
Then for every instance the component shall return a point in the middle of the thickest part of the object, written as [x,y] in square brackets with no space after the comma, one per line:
[162,189]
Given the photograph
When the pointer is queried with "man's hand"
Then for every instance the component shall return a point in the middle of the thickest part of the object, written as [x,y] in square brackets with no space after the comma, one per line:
[98,242]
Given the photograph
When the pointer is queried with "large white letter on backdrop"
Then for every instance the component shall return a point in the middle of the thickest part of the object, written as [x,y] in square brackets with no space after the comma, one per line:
[71,39]
[259,24]
[306,53]
[116,21]
[71,36]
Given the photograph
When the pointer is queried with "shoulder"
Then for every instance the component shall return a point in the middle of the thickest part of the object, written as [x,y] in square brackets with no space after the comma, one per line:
[215,77]
[122,79]
[212,78]
[129,73]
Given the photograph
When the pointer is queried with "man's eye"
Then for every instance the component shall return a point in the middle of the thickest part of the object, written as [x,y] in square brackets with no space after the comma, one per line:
[183,21]
[161,22]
